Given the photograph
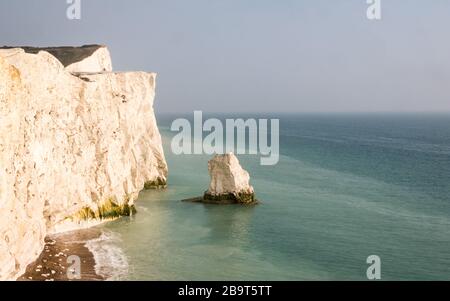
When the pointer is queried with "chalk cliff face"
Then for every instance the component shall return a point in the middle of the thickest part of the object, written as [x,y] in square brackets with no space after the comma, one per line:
[230,183]
[74,146]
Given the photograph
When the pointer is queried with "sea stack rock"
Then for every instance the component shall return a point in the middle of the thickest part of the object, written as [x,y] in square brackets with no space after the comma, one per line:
[78,143]
[230,183]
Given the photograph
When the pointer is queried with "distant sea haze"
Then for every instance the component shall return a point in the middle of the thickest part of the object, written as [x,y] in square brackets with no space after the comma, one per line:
[347,186]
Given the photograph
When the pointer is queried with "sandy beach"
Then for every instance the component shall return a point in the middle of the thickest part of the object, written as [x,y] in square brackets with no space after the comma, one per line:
[53,263]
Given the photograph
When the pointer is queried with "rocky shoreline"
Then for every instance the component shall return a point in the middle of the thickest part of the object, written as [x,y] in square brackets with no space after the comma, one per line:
[54,263]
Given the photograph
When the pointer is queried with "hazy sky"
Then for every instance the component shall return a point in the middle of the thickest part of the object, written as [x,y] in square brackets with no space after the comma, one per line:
[260,55]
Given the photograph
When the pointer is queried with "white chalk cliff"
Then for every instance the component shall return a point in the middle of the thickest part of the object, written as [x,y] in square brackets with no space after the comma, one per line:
[230,183]
[77,143]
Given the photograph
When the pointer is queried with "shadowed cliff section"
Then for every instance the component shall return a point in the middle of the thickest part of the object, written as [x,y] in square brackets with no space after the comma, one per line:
[67,55]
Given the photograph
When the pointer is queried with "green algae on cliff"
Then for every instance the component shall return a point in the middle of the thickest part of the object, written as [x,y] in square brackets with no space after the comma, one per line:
[244,198]
[159,183]
[108,210]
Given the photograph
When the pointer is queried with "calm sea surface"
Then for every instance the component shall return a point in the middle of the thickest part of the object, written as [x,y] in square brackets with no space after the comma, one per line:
[347,186]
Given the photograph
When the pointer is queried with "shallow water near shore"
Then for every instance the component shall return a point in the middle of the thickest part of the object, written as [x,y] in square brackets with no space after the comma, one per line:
[347,186]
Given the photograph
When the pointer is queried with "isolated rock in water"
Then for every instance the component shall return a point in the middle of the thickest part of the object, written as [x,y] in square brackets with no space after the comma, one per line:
[73,149]
[229,181]
[84,59]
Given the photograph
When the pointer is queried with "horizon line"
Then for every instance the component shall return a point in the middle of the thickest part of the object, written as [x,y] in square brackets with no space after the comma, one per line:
[303,112]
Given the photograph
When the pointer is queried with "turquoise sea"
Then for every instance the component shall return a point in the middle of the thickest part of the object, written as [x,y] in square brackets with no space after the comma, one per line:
[347,186]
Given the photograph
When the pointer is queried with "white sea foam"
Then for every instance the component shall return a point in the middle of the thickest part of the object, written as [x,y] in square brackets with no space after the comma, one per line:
[110,261]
